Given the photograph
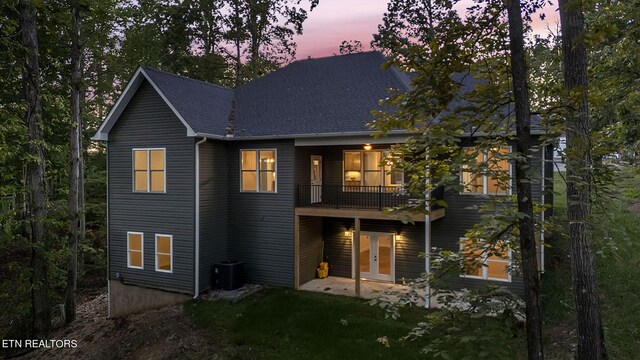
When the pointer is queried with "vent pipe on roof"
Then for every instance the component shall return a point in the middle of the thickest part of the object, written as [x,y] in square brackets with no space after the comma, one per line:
[230,130]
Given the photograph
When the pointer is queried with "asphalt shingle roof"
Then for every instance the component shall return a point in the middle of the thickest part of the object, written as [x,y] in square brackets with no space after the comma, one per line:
[330,95]
[327,95]
[204,106]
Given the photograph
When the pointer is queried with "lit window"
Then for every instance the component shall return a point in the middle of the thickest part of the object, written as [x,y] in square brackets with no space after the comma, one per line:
[481,262]
[149,170]
[164,251]
[135,250]
[362,168]
[496,180]
[258,170]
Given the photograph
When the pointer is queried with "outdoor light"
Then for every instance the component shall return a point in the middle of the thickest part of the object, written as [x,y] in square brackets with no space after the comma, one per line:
[367,147]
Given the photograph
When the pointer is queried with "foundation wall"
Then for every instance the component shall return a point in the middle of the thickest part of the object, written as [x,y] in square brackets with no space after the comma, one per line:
[128,299]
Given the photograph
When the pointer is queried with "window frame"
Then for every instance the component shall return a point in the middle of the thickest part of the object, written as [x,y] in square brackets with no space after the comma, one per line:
[149,171]
[383,170]
[141,267]
[170,254]
[258,171]
[485,178]
[485,267]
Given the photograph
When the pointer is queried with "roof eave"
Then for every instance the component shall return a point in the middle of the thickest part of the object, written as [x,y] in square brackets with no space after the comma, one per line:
[123,100]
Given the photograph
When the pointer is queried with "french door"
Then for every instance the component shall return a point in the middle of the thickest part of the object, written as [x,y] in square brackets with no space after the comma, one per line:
[377,258]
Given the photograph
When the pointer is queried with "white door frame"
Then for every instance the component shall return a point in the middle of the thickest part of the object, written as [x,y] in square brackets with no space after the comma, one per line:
[374,274]
[315,179]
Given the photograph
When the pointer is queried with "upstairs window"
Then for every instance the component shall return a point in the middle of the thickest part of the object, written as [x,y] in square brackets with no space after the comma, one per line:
[495,180]
[258,171]
[482,263]
[149,170]
[135,250]
[362,168]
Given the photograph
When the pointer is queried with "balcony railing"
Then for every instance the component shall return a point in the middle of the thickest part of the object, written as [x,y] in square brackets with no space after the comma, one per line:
[354,197]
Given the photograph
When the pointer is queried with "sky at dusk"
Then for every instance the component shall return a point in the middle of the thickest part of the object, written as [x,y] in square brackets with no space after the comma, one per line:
[333,21]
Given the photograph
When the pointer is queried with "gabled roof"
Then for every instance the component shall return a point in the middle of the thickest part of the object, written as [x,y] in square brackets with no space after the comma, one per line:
[200,106]
[316,96]
[331,96]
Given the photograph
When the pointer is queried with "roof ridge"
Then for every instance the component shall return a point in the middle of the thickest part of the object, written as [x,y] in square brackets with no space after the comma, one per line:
[336,56]
[186,78]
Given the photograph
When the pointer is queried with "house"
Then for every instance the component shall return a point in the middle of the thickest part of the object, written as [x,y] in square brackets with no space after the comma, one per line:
[279,173]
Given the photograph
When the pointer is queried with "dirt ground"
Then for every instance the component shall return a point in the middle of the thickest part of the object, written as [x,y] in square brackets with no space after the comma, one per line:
[166,333]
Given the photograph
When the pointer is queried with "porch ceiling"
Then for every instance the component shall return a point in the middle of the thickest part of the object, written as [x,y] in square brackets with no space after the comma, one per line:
[366,214]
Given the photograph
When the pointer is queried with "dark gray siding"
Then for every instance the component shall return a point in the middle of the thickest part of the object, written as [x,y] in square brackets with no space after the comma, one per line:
[213,208]
[310,247]
[409,243]
[148,122]
[446,232]
[261,224]
[337,246]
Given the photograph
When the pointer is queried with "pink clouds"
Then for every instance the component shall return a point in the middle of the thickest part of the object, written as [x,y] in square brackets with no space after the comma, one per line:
[334,21]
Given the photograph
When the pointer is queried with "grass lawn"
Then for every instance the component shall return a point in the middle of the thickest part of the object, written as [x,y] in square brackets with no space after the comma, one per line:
[616,234]
[289,324]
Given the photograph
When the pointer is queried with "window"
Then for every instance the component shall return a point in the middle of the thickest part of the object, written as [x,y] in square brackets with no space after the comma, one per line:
[149,170]
[497,177]
[135,250]
[362,168]
[258,170]
[164,253]
[482,263]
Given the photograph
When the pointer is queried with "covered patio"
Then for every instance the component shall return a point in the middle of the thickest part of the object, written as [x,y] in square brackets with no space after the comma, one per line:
[369,289]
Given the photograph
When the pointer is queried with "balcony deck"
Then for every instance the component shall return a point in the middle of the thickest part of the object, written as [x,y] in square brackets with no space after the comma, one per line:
[367,202]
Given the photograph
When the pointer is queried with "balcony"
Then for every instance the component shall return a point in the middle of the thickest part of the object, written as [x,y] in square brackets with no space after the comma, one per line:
[367,199]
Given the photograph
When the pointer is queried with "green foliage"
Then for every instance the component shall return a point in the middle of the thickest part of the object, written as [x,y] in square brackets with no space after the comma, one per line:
[287,324]
[616,232]
[615,59]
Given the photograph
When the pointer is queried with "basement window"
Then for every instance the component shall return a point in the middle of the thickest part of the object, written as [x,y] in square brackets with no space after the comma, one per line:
[481,262]
[164,253]
[135,250]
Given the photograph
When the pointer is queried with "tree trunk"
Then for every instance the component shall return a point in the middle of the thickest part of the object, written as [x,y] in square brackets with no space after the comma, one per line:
[523,183]
[238,42]
[578,128]
[74,171]
[37,212]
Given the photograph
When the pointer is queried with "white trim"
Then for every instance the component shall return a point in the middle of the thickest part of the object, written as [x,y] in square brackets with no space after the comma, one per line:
[196,286]
[170,254]
[372,234]
[543,189]
[133,170]
[485,267]
[108,236]
[257,171]
[485,178]
[427,231]
[141,250]
[123,100]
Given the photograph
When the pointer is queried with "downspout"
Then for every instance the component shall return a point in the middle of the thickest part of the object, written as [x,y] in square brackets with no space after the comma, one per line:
[196,287]
[108,239]
[427,234]
[543,187]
